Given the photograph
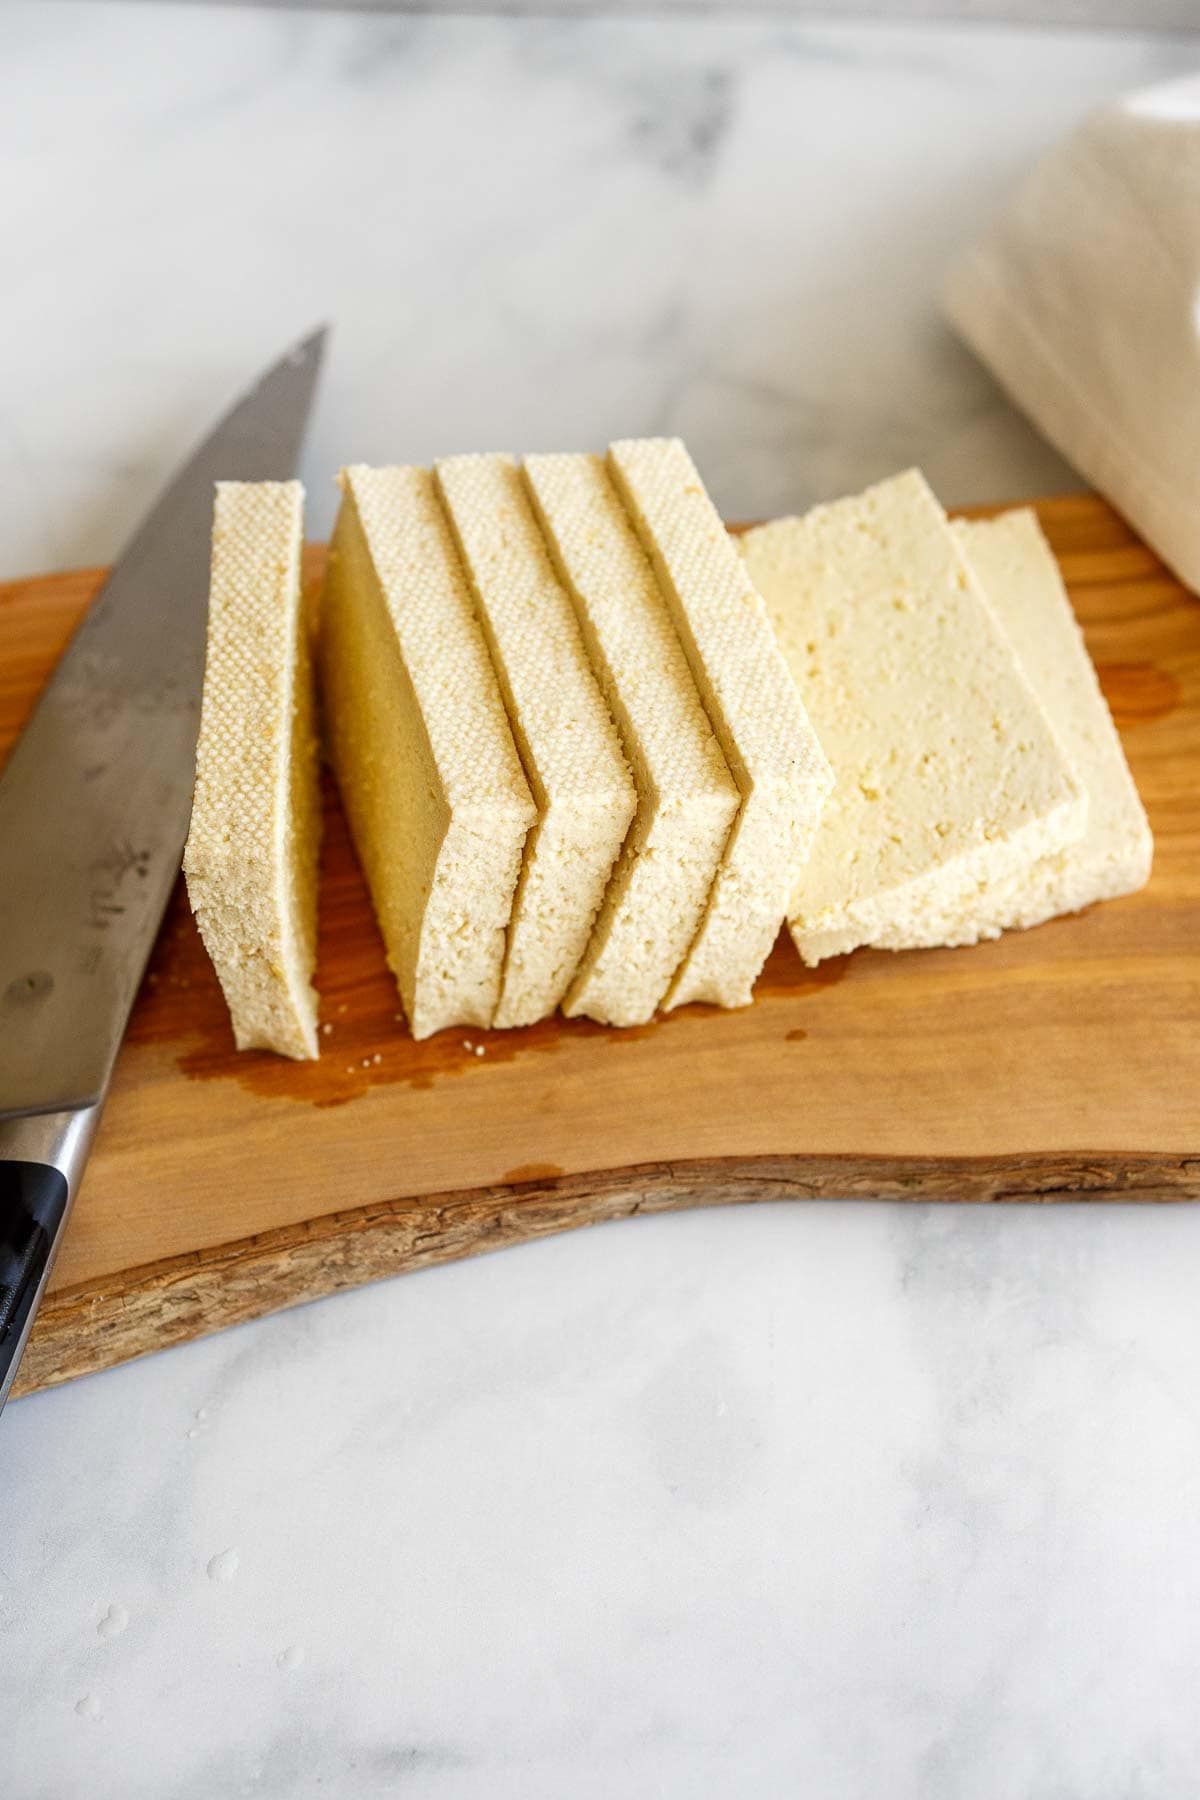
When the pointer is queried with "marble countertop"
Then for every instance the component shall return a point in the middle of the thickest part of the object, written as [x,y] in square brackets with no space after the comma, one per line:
[835,1500]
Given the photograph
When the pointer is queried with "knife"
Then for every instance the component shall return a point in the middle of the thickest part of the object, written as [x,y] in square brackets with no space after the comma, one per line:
[94,806]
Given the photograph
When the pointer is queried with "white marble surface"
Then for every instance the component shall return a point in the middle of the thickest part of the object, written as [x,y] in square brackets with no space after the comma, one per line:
[527,233]
[851,1502]
[1144,15]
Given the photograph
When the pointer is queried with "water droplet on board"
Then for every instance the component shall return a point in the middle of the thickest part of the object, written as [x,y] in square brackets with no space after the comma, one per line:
[114,1621]
[224,1566]
[291,1658]
[88,1707]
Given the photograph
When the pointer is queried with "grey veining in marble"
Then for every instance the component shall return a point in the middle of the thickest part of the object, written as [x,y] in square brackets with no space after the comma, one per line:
[835,1500]
[1132,15]
[528,233]
[845,1502]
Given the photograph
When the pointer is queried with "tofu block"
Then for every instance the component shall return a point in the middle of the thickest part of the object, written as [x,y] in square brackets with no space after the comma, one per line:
[1020,577]
[753,706]
[572,757]
[252,848]
[686,797]
[433,787]
[950,779]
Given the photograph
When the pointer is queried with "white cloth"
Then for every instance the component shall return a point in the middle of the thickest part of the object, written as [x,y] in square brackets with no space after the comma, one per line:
[1084,301]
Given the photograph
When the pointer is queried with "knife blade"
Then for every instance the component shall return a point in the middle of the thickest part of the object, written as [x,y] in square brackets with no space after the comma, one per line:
[95,798]
[94,806]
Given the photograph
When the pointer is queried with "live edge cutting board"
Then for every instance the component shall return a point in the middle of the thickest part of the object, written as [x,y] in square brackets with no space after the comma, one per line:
[1057,1063]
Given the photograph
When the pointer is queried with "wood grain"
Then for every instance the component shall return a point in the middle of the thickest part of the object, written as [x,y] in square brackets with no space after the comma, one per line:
[1058,1063]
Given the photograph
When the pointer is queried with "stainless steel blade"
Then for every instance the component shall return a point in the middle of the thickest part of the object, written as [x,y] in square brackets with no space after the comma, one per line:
[94,800]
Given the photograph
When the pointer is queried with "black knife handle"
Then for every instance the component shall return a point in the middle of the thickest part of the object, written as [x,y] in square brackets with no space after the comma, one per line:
[41,1159]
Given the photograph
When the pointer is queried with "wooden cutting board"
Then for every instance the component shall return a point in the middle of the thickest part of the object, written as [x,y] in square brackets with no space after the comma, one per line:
[1059,1063]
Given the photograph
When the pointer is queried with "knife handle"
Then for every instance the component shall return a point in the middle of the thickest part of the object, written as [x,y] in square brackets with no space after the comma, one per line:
[41,1160]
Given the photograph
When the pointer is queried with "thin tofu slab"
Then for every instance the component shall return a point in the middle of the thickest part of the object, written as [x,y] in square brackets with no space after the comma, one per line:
[950,779]
[252,849]
[1020,577]
[686,797]
[438,805]
[568,743]
[753,706]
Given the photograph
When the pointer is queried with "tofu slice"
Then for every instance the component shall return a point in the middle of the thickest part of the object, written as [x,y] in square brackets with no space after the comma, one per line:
[568,744]
[753,705]
[950,780]
[1020,577]
[686,797]
[252,848]
[433,787]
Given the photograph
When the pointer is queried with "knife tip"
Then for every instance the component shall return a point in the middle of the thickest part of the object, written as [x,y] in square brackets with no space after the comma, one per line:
[311,348]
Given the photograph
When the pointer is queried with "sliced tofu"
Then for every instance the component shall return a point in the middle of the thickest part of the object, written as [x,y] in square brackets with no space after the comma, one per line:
[569,746]
[753,706]
[950,779]
[252,848]
[433,787]
[1020,577]
[686,797]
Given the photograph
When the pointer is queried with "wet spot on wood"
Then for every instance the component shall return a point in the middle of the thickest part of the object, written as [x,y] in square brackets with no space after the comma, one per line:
[1139,692]
[365,1042]
[534,1171]
[786,974]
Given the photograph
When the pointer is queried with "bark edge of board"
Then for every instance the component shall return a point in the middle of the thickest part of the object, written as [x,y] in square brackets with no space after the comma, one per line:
[82,1330]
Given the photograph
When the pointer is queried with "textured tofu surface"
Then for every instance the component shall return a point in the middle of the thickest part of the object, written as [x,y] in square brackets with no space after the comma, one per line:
[1020,577]
[754,708]
[567,740]
[686,797]
[949,777]
[253,843]
[433,787]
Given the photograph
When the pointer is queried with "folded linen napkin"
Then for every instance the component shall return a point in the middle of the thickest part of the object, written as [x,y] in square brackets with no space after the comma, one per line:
[1084,300]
